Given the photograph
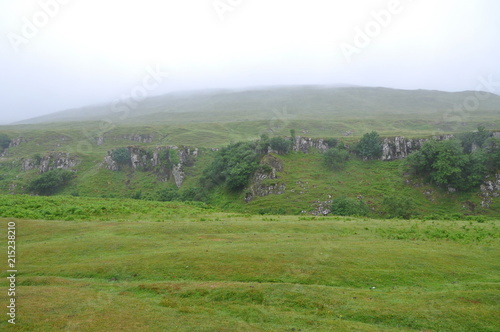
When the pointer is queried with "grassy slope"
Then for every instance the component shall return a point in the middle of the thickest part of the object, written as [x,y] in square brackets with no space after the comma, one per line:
[214,120]
[204,271]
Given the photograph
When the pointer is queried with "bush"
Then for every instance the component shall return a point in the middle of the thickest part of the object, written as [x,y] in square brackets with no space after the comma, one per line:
[232,166]
[121,156]
[477,138]
[4,141]
[492,149]
[398,206]
[331,142]
[370,146]
[336,158]
[193,195]
[50,182]
[345,206]
[280,145]
[445,163]
[168,195]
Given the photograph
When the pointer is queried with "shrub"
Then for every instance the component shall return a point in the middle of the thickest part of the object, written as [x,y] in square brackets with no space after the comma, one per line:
[398,206]
[50,182]
[4,141]
[492,149]
[193,194]
[121,156]
[345,206]
[370,146]
[232,166]
[336,158]
[331,142]
[477,138]
[168,194]
[280,145]
[444,163]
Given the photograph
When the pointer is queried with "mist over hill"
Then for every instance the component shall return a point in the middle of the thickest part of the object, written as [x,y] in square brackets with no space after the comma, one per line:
[300,102]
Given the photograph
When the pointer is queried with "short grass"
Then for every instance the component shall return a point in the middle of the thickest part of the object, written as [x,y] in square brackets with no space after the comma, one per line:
[210,271]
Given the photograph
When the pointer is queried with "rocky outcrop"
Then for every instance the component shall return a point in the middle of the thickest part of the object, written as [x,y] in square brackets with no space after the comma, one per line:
[399,147]
[56,160]
[266,181]
[166,161]
[321,208]
[145,138]
[17,141]
[303,144]
[490,189]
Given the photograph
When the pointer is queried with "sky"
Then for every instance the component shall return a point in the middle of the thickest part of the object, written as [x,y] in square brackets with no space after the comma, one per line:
[63,54]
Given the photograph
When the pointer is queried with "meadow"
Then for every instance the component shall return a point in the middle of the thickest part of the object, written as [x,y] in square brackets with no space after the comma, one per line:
[117,264]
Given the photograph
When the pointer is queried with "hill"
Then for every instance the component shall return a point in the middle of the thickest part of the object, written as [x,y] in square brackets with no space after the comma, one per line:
[194,125]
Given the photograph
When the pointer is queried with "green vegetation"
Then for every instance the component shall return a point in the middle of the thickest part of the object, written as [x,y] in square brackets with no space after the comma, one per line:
[4,141]
[121,156]
[280,145]
[398,206]
[203,270]
[91,209]
[232,166]
[492,150]
[474,139]
[370,146]
[336,158]
[51,182]
[446,164]
[345,206]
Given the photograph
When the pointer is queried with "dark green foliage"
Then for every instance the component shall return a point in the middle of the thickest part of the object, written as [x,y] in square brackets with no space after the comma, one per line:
[193,195]
[50,182]
[292,134]
[37,158]
[4,141]
[331,142]
[492,150]
[232,166]
[345,206]
[399,206]
[370,146]
[263,144]
[121,156]
[168,195]
[336,158]
[280,145]
[477,138]
[446,164]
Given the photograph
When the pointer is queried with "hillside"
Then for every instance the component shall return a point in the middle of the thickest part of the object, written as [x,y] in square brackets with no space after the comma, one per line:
[304,107]
[195,125]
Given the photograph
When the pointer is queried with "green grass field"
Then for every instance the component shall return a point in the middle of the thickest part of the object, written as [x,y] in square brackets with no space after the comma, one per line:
[150,266]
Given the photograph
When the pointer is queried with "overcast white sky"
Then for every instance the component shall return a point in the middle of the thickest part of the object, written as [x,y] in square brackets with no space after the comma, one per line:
[83,52]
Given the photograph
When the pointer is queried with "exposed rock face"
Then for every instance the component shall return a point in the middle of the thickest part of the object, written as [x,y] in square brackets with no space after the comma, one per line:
[322,208]
[261,186]
[489,190]
[57,160]
[305,143]
[158,160]
[400,147]
[100,140]
[17,141]
[139,138]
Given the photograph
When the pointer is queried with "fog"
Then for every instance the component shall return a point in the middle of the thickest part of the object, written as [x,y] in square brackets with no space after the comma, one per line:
[57,54]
